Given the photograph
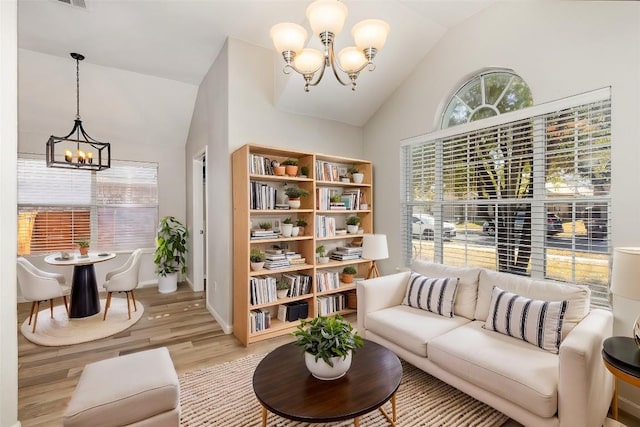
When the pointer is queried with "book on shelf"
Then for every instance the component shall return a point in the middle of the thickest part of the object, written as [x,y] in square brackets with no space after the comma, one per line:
[329,304]
[262,290]
[260,319]
[349,249]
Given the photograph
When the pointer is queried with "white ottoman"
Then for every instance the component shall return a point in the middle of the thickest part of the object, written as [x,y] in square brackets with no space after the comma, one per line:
[139,389]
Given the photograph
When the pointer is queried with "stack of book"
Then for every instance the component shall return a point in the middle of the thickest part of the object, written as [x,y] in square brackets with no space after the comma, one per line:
[263,289]
[330,304]
[299,284]
[325,226]
[346,253]
[327,280]
[295,258]
[263,196]
[263,234]
[275,261]
[351,199]
[259,319]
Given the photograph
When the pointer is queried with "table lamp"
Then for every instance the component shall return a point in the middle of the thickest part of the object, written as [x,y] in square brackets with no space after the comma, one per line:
[374,247]
[625,279]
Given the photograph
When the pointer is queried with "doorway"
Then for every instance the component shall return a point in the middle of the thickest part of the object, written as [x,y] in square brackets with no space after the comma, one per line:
[199,237]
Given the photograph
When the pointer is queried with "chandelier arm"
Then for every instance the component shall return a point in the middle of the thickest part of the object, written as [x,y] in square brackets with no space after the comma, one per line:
[334,64]
[319,77]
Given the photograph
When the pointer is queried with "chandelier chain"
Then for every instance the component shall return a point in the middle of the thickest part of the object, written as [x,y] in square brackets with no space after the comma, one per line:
[77,88]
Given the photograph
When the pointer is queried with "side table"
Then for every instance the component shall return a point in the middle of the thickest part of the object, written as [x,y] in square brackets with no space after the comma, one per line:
[621,356]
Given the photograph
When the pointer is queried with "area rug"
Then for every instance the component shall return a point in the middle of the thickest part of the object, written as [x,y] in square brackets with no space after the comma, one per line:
[223,396]
[61,330]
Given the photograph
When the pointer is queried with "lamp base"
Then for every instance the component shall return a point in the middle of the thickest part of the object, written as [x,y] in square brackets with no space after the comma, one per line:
[373,271]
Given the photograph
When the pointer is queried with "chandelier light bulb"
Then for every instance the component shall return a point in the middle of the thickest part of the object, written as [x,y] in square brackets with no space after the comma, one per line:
[287,36]
[327,16]
[309,61]
[351,59]
[370,33]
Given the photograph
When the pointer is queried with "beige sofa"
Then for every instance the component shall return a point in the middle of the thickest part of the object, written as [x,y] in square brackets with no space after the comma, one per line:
[532,386]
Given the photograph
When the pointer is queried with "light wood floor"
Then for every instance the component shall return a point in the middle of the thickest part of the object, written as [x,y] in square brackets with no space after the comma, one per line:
[179,321]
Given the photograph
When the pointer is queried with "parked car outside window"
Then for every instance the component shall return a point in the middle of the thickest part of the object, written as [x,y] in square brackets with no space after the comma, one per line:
[554,224]
[423,226]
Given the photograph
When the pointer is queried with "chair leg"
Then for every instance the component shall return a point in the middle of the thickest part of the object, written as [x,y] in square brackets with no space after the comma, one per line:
[51,307]
[33,305]
[66,305]
[133,297]
[128,307]
[35,321]
[106,305]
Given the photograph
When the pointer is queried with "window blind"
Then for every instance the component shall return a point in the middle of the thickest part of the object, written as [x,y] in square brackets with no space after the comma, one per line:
[527,193]
[116,209]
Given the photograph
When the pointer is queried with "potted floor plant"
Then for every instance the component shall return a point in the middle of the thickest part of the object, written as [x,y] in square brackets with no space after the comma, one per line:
[328,344]
[169,257]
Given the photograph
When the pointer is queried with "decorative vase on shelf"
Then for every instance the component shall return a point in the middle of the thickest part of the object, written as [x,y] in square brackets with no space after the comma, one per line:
[286,230]
[352,229]
[358,178]
[295,230]
[323,371]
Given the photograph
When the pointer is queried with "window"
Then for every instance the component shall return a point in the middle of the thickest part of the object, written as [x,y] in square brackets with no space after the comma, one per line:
[116,209]
[525,192]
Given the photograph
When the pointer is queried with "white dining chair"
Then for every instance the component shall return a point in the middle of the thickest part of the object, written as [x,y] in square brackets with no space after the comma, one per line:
[124,279]
[37,285]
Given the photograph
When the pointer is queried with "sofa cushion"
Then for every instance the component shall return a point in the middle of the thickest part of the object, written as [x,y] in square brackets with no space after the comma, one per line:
[410,327]
[577,296]
[534,321]
[467,292]
[505,366]
[431,294]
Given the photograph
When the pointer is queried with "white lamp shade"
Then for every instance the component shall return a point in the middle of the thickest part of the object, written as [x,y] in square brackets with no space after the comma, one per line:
[370,33]
[374,246]
[326,15]
[625,275]
[351,59]
[309,61]
[288,36]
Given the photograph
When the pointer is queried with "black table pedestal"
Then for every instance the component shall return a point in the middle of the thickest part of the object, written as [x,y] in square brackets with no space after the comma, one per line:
[85,299]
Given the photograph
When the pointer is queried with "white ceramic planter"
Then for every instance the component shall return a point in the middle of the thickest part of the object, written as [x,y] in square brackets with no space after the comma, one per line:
[286,229]
[168,283]
[352,229]
[294,231]
[322,371]
[255,266]
[358,178]
[294,203]
[323,259]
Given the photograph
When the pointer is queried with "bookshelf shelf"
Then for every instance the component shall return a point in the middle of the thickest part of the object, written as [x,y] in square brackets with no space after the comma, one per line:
[254,185]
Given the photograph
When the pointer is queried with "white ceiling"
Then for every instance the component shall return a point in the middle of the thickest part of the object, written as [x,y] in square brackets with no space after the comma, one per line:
[179,40]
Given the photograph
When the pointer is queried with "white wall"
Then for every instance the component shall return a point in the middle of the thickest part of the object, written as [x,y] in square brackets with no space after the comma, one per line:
[560,49]
[8,218]
[235,107]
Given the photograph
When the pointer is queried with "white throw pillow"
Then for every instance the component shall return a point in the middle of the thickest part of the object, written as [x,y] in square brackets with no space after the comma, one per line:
[436,295]
[534,321]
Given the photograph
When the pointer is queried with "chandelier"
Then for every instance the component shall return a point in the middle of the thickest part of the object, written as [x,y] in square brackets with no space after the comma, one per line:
[78,150]
[326,18]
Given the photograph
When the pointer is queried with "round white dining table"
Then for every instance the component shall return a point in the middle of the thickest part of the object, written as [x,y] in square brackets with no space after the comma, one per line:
[85,298]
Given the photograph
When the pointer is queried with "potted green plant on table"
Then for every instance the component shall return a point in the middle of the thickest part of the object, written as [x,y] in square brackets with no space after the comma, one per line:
[291,167]
[328,344]
[294,193]
[322,256]
[169,257]
[256,258]
[347,274]
[352,224]
[83,247]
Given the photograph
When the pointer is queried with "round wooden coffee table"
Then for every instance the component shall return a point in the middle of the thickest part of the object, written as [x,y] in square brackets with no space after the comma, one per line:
[284,386]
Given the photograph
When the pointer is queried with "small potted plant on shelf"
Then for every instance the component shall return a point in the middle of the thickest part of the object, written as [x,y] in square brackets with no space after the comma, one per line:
[83,247]
[256,257]
[282,289]
[304,171]
[291,167]
[344,178]
[322,256]
[264,226]
[328,344]
[278,169]
[294,193]
[170,254]
[356,175]
[287,227]
[347,274]
[352,224]
[301,223]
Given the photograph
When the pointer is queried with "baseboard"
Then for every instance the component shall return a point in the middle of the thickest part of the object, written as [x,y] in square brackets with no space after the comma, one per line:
[629,406]
[226,328]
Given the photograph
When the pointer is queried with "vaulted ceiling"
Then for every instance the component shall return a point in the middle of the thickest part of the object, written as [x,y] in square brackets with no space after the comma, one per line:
[179,40]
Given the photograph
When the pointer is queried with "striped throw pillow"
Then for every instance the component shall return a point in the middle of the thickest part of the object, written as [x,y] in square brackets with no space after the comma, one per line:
[534,321]
[436,295]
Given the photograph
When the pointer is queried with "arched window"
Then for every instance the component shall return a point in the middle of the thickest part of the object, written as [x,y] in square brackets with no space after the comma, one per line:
[488,94]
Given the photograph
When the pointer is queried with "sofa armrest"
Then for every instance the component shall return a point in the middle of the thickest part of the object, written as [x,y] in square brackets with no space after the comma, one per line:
[381,292]
[585,386]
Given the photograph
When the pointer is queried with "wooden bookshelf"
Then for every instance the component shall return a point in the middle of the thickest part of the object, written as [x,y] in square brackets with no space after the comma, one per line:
[251,171]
